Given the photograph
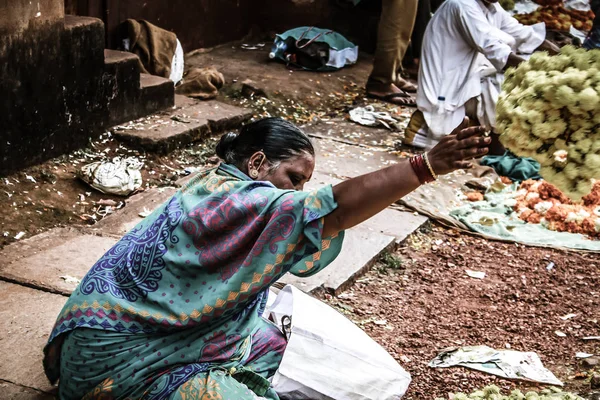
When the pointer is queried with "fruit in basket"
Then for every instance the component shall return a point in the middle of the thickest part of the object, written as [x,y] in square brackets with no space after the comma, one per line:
[557,17]
[548,111]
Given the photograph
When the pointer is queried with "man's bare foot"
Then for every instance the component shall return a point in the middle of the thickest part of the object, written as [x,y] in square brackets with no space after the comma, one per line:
[406,86]
[390,93]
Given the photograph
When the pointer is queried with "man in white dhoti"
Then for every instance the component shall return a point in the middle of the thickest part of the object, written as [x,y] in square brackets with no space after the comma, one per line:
[467,46]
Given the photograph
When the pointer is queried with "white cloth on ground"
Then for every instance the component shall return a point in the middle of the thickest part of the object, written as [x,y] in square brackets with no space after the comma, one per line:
[177,64]
[465,48]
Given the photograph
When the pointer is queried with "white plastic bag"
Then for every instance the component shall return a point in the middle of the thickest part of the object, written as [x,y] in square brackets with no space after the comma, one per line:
[367,116]
[119,176]
[329,358]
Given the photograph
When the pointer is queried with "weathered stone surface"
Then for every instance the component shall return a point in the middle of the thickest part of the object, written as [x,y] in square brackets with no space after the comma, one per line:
[595,381]
[590,362]
[156,93]
[222,117]
[352,133]
[28,316]
[42,260]
[63,103]
[191,123]
[251,89]
[128,217]
[17,392]
[347,161]
[17,15]
[77,93]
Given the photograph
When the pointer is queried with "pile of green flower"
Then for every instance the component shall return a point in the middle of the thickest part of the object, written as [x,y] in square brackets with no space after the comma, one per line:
[549,109]
[493,393]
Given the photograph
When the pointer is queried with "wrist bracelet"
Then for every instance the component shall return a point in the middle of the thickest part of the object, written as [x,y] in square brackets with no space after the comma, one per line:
[420,168]
[433,174]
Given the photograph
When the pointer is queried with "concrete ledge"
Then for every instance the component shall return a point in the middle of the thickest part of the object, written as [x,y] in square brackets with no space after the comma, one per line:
[17,392]
[42,260]
[201,120]
[29,316]
[127,218]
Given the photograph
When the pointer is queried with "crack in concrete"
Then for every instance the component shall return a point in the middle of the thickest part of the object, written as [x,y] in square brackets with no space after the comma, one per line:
[2,380]
[31,285]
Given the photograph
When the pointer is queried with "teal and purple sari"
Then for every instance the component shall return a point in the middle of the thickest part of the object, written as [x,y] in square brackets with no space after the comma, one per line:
[174,309]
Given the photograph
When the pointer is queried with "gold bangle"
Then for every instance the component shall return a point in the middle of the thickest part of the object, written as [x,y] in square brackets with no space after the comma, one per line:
[433,174]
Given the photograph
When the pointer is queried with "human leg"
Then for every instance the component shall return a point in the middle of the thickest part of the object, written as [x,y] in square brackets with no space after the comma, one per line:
[268,346]
[247,382]
[217,385]
[395,27]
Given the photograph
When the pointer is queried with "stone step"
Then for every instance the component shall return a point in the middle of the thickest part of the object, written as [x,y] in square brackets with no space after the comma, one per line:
[347,160]
[157,93]
[55,260]
[190,122]
[85,39]
[115,57]
[47,261]
[122,75]
[29,316]
[124,68]
[134,95]
[127,218]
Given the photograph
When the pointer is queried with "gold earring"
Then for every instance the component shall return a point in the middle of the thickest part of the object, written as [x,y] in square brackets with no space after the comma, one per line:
[254,174]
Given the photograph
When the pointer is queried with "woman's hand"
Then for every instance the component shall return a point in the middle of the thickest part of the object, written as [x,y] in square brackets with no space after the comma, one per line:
[453,151]
[362,197]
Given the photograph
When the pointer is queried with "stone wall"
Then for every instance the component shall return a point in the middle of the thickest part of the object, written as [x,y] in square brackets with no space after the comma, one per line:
[52,94]
[18,15]
[206,23]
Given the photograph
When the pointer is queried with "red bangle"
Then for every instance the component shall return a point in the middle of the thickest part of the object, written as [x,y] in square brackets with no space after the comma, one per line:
[421,170]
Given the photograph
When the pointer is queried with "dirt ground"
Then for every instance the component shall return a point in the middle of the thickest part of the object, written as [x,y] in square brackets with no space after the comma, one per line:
[419,300]
[51,194]
[314,90]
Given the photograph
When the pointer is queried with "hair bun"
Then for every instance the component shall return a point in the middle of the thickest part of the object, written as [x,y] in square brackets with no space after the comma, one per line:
[226,146]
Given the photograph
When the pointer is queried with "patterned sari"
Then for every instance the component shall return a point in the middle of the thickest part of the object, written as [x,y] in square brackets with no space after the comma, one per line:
[173,310]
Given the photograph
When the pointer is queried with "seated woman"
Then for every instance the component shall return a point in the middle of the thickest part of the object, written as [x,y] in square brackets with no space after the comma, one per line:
[173,310]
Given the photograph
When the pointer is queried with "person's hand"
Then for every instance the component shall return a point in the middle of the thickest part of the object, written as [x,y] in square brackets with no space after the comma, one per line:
[550,47]
[513,61]
[453,151]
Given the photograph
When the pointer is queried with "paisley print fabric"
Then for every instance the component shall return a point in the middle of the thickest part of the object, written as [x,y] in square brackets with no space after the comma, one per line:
[132,268]
[173,310]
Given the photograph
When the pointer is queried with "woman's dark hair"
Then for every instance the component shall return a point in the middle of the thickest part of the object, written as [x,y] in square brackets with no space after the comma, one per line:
[277,138]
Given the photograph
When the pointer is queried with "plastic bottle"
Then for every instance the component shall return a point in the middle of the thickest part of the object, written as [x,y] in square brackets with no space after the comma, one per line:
[278,49]
[438,123]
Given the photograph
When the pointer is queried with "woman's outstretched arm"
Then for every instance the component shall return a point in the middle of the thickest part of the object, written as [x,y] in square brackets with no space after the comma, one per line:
[364,196]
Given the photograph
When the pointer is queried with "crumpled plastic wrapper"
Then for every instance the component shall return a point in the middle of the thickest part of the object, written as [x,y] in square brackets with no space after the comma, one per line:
[367,116]
[580,5]
[120,177]
[524,7]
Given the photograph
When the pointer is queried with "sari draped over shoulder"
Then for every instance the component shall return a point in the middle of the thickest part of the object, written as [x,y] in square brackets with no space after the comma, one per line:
[174,309]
